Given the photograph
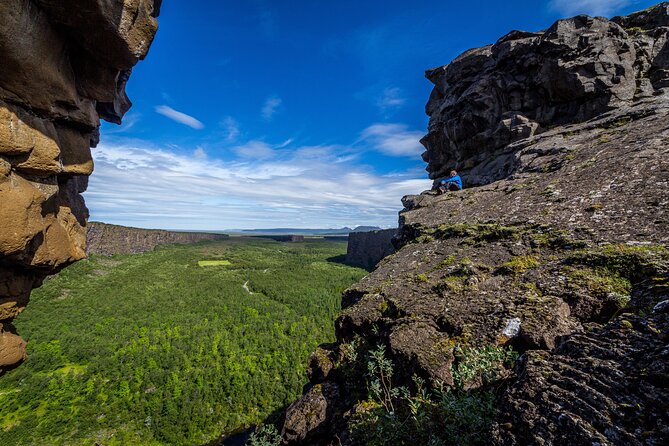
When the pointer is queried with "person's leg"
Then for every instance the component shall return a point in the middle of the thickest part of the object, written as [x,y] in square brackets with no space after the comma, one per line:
[453,187]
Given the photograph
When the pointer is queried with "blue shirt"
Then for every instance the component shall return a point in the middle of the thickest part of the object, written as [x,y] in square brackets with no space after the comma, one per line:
[456,179]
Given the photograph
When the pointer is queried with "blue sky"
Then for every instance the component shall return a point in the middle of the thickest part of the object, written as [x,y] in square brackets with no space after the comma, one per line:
[293,113]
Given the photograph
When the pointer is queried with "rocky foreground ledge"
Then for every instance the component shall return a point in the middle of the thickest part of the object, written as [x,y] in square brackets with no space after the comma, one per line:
[65,65]
[560,254]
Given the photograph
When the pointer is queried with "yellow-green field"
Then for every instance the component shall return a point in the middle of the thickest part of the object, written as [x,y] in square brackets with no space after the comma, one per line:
[205,263]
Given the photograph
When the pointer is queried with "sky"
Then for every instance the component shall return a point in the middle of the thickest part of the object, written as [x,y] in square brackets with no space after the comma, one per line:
[291,113]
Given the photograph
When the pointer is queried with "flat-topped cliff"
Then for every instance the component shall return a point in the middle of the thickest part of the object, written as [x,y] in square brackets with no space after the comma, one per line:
[367,248]
[106,239]
[65,65]
[558,257]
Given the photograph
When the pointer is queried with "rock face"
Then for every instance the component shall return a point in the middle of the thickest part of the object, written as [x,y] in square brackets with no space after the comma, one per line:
[527,83]
[561,252]
[64,66]
[105,239]
[366,249]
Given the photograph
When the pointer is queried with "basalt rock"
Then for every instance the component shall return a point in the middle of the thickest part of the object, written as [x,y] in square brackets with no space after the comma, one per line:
[527,83]
[64,66]
[366,249]
[106,239]
[560,253]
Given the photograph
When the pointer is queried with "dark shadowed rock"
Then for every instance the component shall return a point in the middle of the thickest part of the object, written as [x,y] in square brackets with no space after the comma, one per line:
[367,248]
[310,418]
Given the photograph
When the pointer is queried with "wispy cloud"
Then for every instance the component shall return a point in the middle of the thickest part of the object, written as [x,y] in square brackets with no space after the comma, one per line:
[271,107]
[179,117]
[231,128]
[391,98]
[129,121]
[590,7]
[255,150]
[200,153]
[146,186]
[393,139]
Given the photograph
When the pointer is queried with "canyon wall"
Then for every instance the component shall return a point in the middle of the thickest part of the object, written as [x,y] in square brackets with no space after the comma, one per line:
[560,253]
[65,65]
[108,239]
[366,249]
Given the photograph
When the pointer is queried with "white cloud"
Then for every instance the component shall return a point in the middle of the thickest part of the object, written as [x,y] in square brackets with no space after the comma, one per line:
[200,153]
[271,107]
[299,187]
[231,128]
[179,117]
[390,99]
[254,150]
[394,139]
[590,7]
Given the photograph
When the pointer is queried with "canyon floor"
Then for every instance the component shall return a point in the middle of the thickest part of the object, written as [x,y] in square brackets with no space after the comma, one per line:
[154,349]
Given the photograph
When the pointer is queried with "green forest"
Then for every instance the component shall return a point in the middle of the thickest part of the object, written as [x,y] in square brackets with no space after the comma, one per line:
[178,346]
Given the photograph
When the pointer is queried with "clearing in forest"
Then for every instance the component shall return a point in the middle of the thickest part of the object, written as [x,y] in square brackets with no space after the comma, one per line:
[205,263]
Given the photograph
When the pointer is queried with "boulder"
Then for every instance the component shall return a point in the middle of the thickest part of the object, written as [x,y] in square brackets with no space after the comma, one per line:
[310,418]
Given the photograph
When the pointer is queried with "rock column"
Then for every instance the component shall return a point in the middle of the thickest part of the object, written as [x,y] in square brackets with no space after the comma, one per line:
[64,64]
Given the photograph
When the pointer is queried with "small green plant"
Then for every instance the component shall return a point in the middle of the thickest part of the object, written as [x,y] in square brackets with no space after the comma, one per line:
[600,281]
[436,416]
[422,278]
[266,435]
[380,373]
[519,264]
[482,364]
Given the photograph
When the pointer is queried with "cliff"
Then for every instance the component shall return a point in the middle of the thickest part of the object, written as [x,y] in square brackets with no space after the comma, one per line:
[368,248]
[105,239]
[560,254]
[65,65]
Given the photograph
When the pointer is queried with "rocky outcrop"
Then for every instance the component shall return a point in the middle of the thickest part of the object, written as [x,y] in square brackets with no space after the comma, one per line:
[527,83]
[366,249]
[108,240]
[64,66]
[561,253]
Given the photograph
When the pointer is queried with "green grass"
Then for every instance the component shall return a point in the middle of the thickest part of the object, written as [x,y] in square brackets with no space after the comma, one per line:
[152,349]
[205,263]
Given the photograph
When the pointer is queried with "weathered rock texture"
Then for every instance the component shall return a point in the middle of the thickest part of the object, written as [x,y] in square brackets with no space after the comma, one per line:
[561,252]
[64,66]
[527,83]
[366,249]
[108,239]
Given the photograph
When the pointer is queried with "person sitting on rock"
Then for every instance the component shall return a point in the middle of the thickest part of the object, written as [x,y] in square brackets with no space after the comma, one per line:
[452,183]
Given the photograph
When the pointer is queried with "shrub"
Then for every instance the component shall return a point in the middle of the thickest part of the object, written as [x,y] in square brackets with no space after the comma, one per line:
[266,435]
[436,416]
